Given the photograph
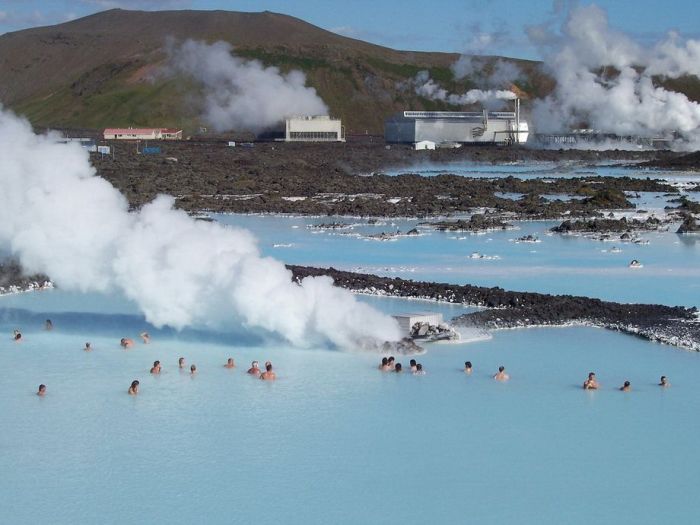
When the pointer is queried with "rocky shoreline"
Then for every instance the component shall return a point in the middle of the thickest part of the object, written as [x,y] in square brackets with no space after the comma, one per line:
[13,280]
[348,179]
[672,325]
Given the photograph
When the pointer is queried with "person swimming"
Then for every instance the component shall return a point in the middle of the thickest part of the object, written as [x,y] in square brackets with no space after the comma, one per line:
[88,347]
[591,383]
[230,363]
[41,391]
[419,370]
[384,365]
[156,367]
[626,387]
[126,342]
[134,388]
[17,335]
[397,368]
[664,382]
[254,368]
[48,325]
[145,337]
[268,374]
[468,368]
[413,365]
[501,375]
[181,362]
[193,370]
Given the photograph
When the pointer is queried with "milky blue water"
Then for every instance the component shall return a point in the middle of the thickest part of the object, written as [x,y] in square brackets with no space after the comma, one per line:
[336,441]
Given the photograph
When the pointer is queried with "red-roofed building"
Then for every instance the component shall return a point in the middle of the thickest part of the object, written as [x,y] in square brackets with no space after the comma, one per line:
[142,134]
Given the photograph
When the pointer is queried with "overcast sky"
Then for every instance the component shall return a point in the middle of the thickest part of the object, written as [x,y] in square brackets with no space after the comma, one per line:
[476,26]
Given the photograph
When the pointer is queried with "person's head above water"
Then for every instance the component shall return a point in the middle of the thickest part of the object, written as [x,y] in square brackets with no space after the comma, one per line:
[398,367]
[385,361]
[391,359]
[501,368]
[268,366]
[156,363]
[467,364]
[181,362]
[42,390]
[193,369]
[412,362]
[254,364]
[419,367]
[591,375]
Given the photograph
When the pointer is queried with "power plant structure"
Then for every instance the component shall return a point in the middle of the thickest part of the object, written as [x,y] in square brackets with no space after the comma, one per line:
[440,127]
[320,128]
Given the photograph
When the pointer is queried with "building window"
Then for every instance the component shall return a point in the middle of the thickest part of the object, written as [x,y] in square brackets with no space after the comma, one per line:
[313,135]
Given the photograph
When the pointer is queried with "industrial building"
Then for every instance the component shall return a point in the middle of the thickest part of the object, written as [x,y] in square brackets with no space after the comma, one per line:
[142,134]
[320,128]
[500,127]
[407,321]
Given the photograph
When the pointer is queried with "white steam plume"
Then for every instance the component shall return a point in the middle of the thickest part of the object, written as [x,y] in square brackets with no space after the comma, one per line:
[496,75]
[243,94]
[428,88]
[59,218]
[607,81]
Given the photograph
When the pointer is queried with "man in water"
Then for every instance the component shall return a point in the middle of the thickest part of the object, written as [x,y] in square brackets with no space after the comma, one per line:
[501,375]
[397,368]
[390,362]
[230,363]
[145,337]
[134,388]
[181,362]
[126,343]
[42,390]
[254,368]
[591,383]
[414,365]
[193,370]
[268,374]
[384,365]
[88,347]
[156,367]
[626,387]
[468,368]
[17,335]
[48,325]
[419,370]
[664,382]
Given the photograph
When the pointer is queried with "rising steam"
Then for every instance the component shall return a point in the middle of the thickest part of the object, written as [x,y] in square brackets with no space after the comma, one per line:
[242,94]
[426,87]
[57,217]
[606,81]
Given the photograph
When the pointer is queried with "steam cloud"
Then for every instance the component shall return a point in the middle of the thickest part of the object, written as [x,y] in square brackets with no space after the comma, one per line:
[428,88]
[59,218]
[243,94]
[609,82]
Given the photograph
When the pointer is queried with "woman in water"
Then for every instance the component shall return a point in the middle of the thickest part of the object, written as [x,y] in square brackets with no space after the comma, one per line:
[134,388]
[156,367]
[193,370]
[181,362]
[17,335]
[145,337]
[42,390]
[88,347]
[230,363]
[468,368]
[126,342]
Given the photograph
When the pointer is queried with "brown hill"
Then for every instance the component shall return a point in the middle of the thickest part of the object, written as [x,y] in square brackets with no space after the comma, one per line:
[94,71]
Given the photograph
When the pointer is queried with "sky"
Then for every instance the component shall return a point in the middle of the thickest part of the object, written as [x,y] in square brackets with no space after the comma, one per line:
[462,26]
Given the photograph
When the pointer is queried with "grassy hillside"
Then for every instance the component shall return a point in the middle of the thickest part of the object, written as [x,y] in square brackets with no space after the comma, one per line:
[99,70]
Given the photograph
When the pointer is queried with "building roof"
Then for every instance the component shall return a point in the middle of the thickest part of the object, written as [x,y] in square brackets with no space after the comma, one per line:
[139,131]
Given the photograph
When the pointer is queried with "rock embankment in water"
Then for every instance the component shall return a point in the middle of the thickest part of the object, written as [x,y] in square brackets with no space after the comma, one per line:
[13,280]
[689,225]
[673,325]
[608,225]
[478,222]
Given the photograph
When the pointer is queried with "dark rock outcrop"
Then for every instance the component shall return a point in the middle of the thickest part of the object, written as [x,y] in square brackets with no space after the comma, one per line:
[689,225]
[675,325]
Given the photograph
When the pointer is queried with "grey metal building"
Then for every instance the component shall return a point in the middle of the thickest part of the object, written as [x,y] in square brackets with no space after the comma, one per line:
[501,127]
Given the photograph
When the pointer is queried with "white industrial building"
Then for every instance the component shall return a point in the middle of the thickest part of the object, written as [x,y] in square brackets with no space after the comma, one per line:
[500,127]
[142,134]
[319,128]
[424,144]
[407,321]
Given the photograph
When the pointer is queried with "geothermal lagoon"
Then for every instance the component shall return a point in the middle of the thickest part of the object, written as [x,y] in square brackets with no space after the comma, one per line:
[335,440]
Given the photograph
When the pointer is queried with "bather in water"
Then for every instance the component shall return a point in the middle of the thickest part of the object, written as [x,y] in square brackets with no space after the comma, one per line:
[591,383]
[501,375]
[268,374]
[134,388]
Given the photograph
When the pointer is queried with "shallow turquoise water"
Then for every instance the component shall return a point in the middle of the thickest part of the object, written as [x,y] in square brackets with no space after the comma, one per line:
[336,441]
[558,264]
